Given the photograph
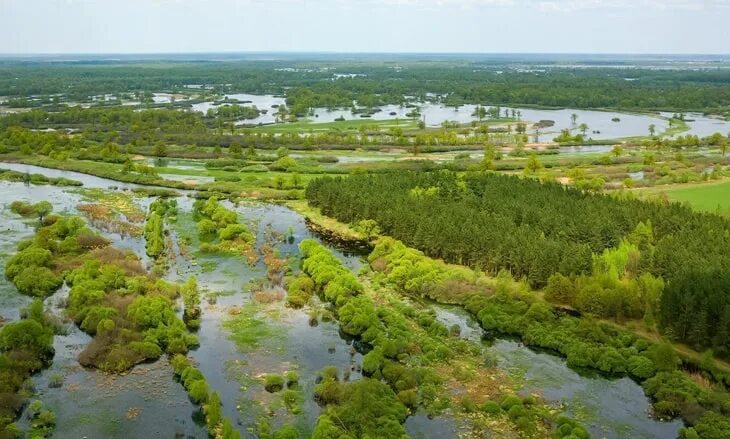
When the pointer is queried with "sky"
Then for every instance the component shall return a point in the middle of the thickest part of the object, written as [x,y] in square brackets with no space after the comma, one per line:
[479,26]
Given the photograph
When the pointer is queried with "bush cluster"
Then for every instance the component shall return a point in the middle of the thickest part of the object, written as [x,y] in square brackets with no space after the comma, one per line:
[200,393]
[507,308]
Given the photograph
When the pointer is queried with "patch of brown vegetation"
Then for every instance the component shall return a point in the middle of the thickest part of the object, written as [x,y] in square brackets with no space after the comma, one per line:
[275,265]
[91,241]
[133,413]
[104,218]
[379,265]
[268,296]
[701,380]
[478,384]
[126,260]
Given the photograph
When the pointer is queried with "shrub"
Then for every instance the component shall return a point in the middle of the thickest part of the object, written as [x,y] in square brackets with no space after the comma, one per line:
[510,401]
[287,432]
[373,361]
[235,231]
[568,428]
[27,257]
[491,407]
[367,408]
[641,367]
[212,411]
[206,227]
[273,382]
[300,290]
[713,426]
[198,391]
[27,335]
[409,398]
[292,378]
[37,281]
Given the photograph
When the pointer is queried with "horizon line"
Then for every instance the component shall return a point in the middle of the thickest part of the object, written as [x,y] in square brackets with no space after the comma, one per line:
[337,52]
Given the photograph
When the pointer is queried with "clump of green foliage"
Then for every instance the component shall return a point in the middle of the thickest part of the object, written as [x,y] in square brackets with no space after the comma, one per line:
[360,409]
[219,227]
[299,291]
[154,228]
[200,393]
[273,382]
[33,269]
[42,421]
[26,346]
[131,315]
[191,301]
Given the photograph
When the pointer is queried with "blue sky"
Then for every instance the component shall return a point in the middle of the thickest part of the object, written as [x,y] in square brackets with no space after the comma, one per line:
[553,26]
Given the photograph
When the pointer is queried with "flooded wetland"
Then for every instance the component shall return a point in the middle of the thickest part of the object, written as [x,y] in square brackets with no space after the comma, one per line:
[246,332]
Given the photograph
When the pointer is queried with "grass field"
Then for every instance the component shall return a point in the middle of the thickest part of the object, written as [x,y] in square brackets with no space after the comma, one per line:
[708,197]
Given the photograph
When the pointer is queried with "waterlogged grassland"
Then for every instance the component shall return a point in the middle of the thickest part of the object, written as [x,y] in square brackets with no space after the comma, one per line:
[707,197]
[249,329]
[314,215]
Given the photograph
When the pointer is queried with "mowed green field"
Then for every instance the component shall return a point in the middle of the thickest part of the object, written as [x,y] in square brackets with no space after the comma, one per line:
[708,197]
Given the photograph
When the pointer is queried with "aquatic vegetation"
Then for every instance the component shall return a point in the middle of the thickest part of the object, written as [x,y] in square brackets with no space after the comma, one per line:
[273,382]
[160,210]
[35,269]
[26,346]
[220,228]
[120,202]
[39,209]
[41,179]
[409,351]
[249,331]
[200,393]
[104,218]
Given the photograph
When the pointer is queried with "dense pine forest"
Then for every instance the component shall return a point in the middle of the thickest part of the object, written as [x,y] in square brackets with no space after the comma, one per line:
[606,256]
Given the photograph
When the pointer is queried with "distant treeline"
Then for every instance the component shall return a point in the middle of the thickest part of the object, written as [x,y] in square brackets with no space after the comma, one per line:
[371,83]
[603,245]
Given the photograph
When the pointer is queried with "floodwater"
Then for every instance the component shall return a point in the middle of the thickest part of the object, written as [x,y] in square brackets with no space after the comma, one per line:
[148,402]
[703,126]
[601,124]
[609,408]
